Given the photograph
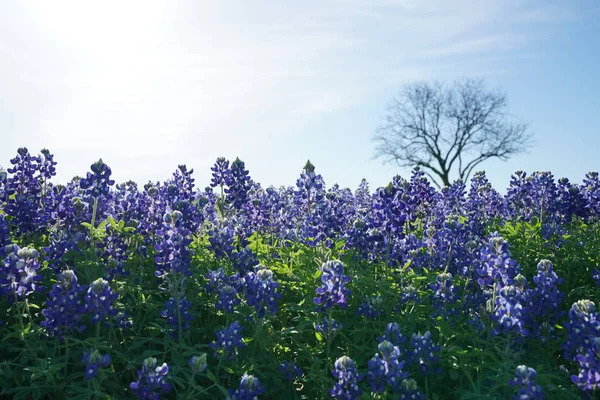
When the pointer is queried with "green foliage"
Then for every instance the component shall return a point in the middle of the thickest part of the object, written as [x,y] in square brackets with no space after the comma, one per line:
[475,363]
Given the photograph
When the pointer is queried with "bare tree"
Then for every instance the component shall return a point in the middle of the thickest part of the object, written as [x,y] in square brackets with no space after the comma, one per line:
[441,128]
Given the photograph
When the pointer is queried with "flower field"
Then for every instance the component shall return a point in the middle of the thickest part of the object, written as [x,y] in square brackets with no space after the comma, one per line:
[171,290]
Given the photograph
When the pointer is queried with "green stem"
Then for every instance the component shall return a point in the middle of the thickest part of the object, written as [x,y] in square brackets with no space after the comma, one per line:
[66,355]
[179,324]
[94,210]
[20,315]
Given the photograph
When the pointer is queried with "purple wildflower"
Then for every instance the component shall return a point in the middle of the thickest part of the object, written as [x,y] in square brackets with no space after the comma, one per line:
[333,289]
[347,378]
[525,380]
[93,361]
[249,389]
[151,380]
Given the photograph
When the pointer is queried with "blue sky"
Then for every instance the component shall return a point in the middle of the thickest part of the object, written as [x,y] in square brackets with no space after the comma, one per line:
[150,85]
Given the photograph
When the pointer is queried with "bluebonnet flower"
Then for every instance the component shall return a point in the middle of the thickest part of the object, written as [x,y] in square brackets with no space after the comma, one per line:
[424,353]
[372,308]
[172,254]
[220,172]
[228,299]
[64,306]
[393,335]
[214,280]
[570,202]
[444,295]
[238,184]
[508,314]
[47,165]
[123,320]
[310,185]
[261,291]
[347,378]
[178,195]
[525,380]
[114,254]
[410,391]
[543,302]
[588,378]
[61,242]
[591,194]
[18,273]
[151,380]
[497,264]
[328,327]
[3,189]
[229,340]
[290,370]
[387,219]
[244,260]
[583,326]
[333,289]
[4,231]
[23,193]
[484,203]
[385,369]
[220,238]
[249,389]
[176,311]
[93,361]
[595,275]
[198,363]
[100,300]
[408,294]
[309,180]
[98,182]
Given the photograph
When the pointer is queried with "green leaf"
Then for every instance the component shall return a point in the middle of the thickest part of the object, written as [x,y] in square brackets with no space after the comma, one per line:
[453,374]
[318,336]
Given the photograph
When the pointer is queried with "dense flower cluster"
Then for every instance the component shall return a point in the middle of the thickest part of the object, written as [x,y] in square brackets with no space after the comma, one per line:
[98,181]
[249,389]
[64,307]
[93,361]
[525,380]
[229,340]
[393,335]
[385,369]
[177,312]
[238,250]
[410,391]
[18,273]
[424,353]
[544,301]
[372,308]
[347,379]
[173,256]
[151,382]
[333,290]
[444,296]
[328,327]
[100,300]
[261,291]
[238,184]
[198,363]
[582,328]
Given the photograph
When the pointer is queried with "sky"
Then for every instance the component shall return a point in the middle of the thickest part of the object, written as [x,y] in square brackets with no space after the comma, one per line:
[148,85]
